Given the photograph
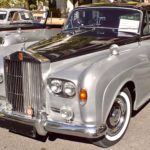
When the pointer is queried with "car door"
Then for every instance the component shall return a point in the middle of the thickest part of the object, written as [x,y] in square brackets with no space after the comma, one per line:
[143,72]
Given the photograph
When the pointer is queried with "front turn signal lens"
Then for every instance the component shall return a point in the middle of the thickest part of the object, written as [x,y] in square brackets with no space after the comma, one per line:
[83,96]
[20,56]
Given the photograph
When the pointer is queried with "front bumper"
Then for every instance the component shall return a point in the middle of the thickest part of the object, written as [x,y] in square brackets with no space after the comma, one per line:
[42,126]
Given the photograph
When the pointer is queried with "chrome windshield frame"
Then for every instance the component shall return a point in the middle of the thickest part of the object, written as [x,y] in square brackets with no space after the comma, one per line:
[81,8]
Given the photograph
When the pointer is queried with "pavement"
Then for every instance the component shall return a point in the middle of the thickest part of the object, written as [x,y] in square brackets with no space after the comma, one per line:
[137,137]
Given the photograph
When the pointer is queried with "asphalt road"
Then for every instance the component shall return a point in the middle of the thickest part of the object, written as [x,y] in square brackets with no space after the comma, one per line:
[137,137]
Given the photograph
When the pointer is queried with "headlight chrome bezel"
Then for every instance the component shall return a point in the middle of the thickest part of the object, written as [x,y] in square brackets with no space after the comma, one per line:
[65,84]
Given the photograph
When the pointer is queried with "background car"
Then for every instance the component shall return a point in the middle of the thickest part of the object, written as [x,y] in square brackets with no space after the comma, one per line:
[18,25]
[10,15]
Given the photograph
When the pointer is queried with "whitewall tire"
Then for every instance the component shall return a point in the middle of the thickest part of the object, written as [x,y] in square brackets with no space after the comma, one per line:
[118,120]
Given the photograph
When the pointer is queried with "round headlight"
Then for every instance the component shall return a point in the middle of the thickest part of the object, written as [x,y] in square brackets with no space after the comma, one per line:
[56,86]
[69,89]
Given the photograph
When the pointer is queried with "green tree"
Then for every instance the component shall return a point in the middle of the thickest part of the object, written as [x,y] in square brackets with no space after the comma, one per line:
[5,3]
[15,3]
[27,4]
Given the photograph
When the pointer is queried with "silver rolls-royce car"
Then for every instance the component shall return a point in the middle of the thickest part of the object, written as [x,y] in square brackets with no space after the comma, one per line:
[84,82]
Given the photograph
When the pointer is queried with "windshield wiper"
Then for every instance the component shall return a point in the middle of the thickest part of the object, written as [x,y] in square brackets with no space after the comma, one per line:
[77,29]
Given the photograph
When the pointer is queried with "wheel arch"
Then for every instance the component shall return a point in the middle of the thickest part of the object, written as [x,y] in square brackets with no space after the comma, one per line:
[109,100]
[131,86]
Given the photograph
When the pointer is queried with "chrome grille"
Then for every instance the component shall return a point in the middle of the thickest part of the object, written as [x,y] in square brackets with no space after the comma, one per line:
[23,85]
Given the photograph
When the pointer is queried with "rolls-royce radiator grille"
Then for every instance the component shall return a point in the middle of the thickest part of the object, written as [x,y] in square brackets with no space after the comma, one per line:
[23,85]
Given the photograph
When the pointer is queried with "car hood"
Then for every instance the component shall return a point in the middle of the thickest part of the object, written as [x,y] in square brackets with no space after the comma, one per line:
[64,46]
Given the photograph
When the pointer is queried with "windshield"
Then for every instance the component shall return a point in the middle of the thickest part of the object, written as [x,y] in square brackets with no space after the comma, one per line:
[3,15]
[106,18]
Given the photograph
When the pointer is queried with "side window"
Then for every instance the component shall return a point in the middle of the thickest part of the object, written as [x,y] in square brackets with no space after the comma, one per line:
[146,23]
[13,16]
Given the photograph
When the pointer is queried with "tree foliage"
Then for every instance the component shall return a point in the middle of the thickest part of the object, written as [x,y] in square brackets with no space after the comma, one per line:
[5,3]
[14,3]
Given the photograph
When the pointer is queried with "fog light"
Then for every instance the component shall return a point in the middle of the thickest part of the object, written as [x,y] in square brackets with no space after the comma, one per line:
[66,113]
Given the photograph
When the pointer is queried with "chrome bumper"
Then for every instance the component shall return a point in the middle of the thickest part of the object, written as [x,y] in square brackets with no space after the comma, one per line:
[75,130]
[43,126]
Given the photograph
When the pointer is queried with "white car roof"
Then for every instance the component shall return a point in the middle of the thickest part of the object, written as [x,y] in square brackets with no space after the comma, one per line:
[13,9]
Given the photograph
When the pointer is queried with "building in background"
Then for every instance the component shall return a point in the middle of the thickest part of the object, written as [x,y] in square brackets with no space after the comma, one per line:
[59,8]
[66,6]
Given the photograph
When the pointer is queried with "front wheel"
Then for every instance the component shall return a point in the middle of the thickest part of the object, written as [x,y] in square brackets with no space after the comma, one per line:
[118,120]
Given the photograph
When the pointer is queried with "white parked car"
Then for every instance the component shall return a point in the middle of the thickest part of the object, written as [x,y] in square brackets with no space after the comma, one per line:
[10,15]
[18,25]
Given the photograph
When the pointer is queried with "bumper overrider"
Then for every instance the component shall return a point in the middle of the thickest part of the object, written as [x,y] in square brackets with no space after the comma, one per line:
[42,125]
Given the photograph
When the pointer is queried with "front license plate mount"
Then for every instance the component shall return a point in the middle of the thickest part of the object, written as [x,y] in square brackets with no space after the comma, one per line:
[23,129]
[18,128]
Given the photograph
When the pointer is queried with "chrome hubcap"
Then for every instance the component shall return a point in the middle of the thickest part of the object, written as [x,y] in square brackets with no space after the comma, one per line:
[117,116]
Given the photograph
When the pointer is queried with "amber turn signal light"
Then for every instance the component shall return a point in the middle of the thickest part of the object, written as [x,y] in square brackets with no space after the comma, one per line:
[83,95]
[20,56]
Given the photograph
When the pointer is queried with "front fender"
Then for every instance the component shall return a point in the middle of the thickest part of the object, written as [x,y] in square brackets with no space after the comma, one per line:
[104,83]
[102,94]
